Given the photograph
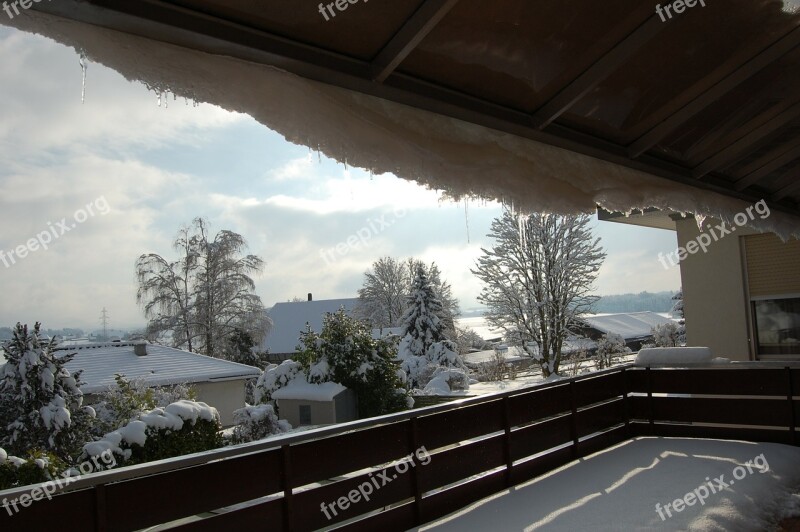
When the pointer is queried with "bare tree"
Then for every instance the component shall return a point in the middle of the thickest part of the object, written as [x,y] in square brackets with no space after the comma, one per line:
[538,280]
[202,298]
[383,299]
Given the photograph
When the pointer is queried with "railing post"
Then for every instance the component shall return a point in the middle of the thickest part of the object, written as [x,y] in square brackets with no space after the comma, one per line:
[507,439]
[574,425]
[286,481]
[792,417]
[414,441]
[101,524]
[625,406]
[651,417]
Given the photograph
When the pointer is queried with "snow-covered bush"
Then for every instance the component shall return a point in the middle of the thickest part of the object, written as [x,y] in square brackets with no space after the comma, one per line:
[446,380]
[41,404]
[666,335]
[38,467]
[608,345]
[183,427]
[346,353]
[128,398]
[256,423]
[274,378]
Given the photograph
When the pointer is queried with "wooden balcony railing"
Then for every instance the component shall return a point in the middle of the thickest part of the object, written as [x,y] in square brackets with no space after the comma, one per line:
[478,446]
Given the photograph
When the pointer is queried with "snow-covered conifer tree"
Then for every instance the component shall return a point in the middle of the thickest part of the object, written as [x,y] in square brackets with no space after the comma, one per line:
[41,404]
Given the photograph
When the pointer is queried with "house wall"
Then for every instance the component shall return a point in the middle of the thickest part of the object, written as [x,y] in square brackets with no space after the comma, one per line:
[322,412]
[225,396]
[346,406]
[715,301]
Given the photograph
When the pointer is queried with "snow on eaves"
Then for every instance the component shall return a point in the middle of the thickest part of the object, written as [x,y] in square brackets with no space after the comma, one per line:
[382,136]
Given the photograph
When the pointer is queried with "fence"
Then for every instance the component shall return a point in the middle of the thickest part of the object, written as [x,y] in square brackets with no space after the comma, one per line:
[477,446]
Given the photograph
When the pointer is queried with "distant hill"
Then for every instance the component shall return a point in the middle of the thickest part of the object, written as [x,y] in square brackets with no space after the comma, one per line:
[658,302]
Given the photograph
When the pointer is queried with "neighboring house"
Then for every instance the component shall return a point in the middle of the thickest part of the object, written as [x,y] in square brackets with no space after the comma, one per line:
[741,289]
[219,383]
[289,320]
[302,403]
[634,327]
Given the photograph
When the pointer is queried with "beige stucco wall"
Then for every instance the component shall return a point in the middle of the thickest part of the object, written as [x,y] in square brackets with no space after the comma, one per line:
[715,301]
[322,412]
[225,396]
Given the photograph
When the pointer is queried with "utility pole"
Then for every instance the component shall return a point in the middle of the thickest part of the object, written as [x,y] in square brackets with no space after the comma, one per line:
[104,321]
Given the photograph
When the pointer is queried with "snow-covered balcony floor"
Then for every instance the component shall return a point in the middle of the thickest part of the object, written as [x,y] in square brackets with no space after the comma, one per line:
[619,489]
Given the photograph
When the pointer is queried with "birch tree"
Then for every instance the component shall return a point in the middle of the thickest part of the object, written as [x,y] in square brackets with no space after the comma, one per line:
[538,280]
[205,296]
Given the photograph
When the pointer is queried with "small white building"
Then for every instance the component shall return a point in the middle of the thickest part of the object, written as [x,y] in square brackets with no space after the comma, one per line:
[219,383]
[302,403]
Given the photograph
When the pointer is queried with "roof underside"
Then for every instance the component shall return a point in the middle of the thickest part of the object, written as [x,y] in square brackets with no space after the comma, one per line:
[709,99]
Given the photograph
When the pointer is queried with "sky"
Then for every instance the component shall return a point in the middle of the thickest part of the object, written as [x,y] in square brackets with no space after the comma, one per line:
[100,182]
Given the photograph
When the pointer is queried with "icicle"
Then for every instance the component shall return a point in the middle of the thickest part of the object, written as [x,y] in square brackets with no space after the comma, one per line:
[466,216]
[166,100]
[83,61]
[159,97]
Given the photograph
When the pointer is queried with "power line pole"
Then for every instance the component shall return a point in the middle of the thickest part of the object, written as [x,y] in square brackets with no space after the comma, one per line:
[104,321]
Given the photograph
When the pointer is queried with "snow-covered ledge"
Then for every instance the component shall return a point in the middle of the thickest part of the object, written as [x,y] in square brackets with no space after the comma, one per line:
[383,136]
[674,356]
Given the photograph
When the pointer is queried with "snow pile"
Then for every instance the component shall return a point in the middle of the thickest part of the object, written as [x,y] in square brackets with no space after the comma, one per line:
[386,137]
[628,487]
[445,380]
[673,356]
[255,423]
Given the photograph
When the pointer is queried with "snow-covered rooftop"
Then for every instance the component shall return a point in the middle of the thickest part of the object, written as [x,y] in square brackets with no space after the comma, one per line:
[631,325]
[289,320]
[299,389]
[161,366]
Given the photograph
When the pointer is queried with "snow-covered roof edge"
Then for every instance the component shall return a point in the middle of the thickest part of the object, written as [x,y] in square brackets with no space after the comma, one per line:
[383,136]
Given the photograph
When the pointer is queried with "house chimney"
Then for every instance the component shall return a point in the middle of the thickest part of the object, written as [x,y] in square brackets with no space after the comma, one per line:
[310,298]
[140,349]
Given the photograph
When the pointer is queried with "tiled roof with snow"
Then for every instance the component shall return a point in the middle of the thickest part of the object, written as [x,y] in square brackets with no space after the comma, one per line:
[631,325]
[300,390]
[161,366]
[289,320]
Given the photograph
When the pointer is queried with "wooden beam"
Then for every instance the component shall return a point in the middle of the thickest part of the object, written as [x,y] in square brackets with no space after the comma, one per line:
[767,56]
[782,160]
[415,29]
[634,31]
[743,146]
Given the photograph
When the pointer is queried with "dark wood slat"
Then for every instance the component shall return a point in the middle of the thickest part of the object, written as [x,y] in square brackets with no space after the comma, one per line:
[538,404]
[193,490]
[540,437]
[597,389]
[599,418]
[602,441]
[722,433]
[462,424]
[784,158]
[394,487]
[743,146]
[647,25]
[448,501]
[461,462]
[53,514]
[540,465]
[792,187]
[772,412]
[355,450]
[416,28]
[711,381]
[269,514]
[730,82]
